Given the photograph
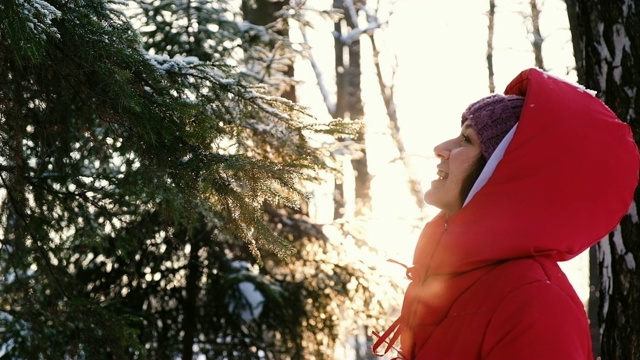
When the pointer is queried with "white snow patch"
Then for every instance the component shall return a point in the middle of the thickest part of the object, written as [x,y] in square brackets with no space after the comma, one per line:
[40,15]
[7,347]
[605,55]
[240,265]
[622,44]
[628,5]
[630,261]
[604,257]
[250,305]
[621,250]
[588,91]
[633,212]
[617,240]
[631,92]
[631,115]
[165,63]
[251,308]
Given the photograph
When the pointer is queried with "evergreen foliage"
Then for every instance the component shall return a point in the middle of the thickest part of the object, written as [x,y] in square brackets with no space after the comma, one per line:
[138,188]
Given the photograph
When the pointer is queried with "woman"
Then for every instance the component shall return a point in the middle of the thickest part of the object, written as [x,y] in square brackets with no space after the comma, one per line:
[536,176]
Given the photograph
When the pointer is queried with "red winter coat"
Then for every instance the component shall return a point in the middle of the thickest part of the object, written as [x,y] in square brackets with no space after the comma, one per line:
[485,281]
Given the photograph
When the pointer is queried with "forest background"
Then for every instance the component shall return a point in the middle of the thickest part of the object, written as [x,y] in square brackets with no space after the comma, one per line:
[226,180]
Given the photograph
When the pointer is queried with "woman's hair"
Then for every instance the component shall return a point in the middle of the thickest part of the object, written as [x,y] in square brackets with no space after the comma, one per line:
[473,175]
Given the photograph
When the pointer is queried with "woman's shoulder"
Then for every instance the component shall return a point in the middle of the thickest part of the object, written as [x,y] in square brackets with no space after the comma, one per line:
[516,279]
[544,312]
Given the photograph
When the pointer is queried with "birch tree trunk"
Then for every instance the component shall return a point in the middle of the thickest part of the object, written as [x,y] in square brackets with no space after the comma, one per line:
[536,34]
[606,44]
[491,15]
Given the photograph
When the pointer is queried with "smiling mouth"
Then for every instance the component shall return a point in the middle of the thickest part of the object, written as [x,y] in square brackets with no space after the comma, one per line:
[442,175]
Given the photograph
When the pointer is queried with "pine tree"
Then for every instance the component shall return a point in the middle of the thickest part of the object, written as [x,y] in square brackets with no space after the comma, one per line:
[140,188]
[111,158]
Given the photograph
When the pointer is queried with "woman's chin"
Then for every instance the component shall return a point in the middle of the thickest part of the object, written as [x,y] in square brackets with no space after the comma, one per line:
[439,199]
[430,196]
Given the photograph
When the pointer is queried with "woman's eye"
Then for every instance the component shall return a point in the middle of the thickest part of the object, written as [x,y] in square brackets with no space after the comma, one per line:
[465,138]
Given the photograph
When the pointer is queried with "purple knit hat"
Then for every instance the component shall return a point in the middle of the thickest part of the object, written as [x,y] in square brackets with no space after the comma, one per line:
[492,117]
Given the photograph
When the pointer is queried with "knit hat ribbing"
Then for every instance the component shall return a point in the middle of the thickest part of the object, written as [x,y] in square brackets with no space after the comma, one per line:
[492,117]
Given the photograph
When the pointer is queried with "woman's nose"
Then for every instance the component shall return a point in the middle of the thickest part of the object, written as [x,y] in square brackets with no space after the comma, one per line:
[442,151]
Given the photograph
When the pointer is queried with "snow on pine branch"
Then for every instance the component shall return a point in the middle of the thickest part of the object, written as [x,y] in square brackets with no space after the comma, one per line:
[250,302]
[165,64]
[38,17]
[187,66]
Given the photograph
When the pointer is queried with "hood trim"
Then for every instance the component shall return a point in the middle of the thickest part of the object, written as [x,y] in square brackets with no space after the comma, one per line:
[491,164]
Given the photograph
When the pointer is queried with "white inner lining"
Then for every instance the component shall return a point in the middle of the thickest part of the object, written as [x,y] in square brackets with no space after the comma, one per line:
[491,164]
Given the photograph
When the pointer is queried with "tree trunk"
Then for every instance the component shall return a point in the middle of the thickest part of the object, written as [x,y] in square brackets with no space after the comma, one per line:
[592,306]
[491,15]
[192,290]
[264,12]
[536,35]
[349,102]
[606,44]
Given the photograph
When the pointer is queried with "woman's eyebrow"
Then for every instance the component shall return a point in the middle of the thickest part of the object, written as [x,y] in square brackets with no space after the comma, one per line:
[467,125]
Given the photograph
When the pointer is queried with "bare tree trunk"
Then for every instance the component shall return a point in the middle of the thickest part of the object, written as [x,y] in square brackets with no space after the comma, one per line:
[349,99]
[388,97]
[193,287]
[536,35]
[189,305]
[340,108]
[355,108]
[606,44]
[491,15]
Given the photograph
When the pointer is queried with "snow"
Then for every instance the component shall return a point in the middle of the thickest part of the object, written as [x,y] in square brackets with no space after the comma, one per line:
[605,55]
[622,45]
[252,302]
[588,91]
[621,249]
[627,6]
[604,257]
[254,298]
[240,265]
[630,261]
[7,318]
[39,15]
[164,63]
[255,30]
[6,347]
[633,212]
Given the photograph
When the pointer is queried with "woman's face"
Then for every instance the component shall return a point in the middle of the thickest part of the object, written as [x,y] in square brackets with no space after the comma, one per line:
[456,156]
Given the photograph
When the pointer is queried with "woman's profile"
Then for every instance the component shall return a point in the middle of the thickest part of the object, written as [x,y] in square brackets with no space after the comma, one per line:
[536,176]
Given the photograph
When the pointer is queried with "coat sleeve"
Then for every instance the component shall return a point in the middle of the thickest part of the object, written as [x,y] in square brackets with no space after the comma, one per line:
[538,321]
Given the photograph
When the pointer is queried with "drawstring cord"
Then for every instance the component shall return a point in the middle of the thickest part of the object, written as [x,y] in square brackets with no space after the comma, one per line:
[409,269]
[391,335]
[382,339]
[392,331]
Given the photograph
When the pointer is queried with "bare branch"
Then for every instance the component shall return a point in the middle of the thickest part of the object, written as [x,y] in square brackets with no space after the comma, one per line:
[331,106]
[387,92]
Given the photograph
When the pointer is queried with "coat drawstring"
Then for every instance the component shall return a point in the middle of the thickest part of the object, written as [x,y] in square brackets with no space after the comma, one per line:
[392,332]
[391,335]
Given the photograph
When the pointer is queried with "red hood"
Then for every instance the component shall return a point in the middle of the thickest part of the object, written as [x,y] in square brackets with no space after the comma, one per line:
[566,179]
